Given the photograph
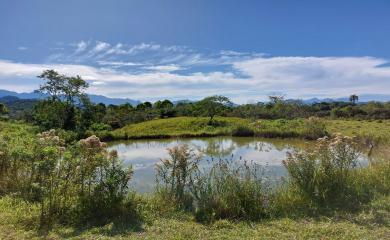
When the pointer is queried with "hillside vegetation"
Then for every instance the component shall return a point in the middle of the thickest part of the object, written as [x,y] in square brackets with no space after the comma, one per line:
[229,126]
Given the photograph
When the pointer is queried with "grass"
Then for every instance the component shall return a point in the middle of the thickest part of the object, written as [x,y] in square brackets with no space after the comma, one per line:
[227,126]
[16,128]
[179,127]
[199,127]
[19,222]
[377,129]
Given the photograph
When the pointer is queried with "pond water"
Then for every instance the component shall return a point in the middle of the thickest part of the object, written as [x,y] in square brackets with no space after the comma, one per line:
[144,154]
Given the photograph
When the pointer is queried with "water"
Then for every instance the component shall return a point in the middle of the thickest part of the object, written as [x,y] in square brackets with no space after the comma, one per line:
[144,154]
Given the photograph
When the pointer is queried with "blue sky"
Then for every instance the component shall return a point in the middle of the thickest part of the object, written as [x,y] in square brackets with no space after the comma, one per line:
[180,49]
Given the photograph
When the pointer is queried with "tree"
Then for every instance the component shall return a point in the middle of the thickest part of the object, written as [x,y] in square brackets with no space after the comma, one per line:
[3,109]
[63,93]
[60,87]
[54,84]
[165,108]
[353,98]
[144,106]
[211,106]
[276,99]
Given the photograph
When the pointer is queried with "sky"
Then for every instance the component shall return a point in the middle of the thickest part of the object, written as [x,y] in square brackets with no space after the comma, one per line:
[181,49]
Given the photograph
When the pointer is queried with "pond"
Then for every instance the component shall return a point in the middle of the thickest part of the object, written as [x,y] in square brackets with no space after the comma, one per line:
[144,154]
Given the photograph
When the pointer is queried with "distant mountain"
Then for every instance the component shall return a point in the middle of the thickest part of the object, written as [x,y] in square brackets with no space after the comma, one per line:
[18,107]
[94,98]
[362,99]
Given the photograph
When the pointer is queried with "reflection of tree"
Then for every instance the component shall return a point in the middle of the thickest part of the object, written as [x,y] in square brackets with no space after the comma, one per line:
[218,147]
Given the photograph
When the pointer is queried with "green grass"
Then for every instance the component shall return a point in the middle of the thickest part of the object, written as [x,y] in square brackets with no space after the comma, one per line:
[16,128]
[19,221]
[377,129]
[198,127]
[179,127]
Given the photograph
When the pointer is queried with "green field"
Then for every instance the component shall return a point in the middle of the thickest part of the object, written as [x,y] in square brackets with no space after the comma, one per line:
[179,127]
[378,129]
[197,126]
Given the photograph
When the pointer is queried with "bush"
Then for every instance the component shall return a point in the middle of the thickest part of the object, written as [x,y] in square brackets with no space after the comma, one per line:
[173,175]
[243,131]
[70,183]
[314,128]
[230,191]
[325,176]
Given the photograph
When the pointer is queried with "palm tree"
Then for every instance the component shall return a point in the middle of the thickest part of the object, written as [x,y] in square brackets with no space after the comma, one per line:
[353,98]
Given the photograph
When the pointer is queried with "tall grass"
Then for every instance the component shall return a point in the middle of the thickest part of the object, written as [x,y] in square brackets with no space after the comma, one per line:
[330,177]
[230,191]
[174,175]
[322,179]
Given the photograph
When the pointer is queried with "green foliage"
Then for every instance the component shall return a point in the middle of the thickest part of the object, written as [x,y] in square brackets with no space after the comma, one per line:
[174,175]
[230,191]
[314,128]
[71,183]
[243,131]
[227,190]
[325,176]
[212,106]
[179,127]
[3,109]
[59,109]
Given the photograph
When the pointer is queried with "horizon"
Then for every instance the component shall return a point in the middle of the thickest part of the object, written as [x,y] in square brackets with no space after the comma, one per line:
[149,50]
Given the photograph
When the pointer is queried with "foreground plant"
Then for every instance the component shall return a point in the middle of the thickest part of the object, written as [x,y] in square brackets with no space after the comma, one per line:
[224,190]
[175,173]
[325,175]
[230,190]
[72,183]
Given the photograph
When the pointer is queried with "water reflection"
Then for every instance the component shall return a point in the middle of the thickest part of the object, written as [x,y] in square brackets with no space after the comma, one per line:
[144,154]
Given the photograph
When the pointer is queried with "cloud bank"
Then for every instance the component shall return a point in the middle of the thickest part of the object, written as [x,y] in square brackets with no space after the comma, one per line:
[150,71]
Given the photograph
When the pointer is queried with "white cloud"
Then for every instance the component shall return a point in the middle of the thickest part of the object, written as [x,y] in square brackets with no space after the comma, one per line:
[99,47]
[81,46]
[298,76]
[118,63]
[244,76]
[21,48]
[164,68]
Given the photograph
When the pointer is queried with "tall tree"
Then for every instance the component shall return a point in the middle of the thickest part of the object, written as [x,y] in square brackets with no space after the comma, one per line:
[63,93]
[353,98]
[54,84]
[3,109]
[211,106]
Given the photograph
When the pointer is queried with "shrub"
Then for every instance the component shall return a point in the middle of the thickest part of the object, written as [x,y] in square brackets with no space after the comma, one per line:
[314,128]
[230,191]
[70,183]
[100,127]
[173,175]
[325,176]
[242,131]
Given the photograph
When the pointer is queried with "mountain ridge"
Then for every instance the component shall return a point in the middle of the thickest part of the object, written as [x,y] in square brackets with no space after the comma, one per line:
[93,97]
[117,101]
